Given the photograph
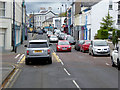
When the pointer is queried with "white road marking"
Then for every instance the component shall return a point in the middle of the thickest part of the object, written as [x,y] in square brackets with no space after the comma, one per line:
[61,62]
[76,84]
[20,58]
[107,64]
[17,56]
[67,72]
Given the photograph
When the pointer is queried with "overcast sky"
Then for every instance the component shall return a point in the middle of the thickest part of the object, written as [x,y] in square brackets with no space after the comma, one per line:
[34,5]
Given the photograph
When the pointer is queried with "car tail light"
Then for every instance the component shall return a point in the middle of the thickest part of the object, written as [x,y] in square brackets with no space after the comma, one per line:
[27,52]
[48,51]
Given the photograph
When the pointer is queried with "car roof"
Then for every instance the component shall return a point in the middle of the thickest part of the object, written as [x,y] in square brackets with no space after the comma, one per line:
[63,41]
[98,40]
[38,41]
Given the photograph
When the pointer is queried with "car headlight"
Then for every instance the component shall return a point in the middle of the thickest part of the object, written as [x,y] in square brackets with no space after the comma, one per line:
[95,49]
[58,47]
[69,47]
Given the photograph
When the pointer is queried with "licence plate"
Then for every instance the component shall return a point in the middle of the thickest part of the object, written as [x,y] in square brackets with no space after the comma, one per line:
[38,51]
[64,48]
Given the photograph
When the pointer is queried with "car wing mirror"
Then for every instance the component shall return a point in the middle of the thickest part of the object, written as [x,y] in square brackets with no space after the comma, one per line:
[116,51]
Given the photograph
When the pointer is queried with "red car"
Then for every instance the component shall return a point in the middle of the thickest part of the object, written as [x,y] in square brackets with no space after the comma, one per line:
[85,46]
[63,45]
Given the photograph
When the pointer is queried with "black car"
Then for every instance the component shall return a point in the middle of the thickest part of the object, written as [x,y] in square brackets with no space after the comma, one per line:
[71,40]
[79,44]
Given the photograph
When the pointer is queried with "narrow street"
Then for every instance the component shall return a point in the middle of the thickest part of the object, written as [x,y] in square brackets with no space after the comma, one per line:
[80,70]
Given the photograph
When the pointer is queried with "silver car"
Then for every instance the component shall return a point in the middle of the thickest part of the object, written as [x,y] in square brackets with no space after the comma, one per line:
[99,47]
[53,38]
[38,50]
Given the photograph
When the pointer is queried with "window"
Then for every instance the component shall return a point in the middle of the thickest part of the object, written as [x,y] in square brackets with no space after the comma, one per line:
[38,45]
[118,21]
[119,5]
[110,5]
[2,8]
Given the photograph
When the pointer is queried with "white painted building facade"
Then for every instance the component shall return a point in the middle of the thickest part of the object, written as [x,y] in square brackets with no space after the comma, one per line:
[39,18]
[100,10]
[58,22]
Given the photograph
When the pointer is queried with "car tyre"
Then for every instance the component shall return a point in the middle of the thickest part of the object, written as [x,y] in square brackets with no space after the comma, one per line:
[118,64]
[27,62]
[89,53]
[113,64]
[50,61]
[93,53]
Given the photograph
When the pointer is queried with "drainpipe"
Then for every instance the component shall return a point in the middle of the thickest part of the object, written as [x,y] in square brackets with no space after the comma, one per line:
[13,32]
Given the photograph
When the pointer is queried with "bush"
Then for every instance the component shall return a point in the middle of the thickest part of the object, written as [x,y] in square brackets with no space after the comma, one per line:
[118,33]
[102,34]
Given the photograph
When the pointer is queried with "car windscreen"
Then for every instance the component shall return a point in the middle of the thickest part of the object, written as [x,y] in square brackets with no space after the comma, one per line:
[100,43]
[88,42]
[53,37]
[38,45]
[63,43]
[70,39]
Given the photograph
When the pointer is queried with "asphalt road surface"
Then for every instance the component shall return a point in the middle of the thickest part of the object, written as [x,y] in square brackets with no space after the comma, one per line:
[73,70]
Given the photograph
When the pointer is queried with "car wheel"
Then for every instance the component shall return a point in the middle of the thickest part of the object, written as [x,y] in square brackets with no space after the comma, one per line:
[83,51]
[118,64]
[75,47]
[27,62]
[113,64]
[93,53]
[89,53]
[50,61]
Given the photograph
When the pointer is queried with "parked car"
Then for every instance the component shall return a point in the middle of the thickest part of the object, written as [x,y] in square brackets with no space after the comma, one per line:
[57,32]
[99,47]
[38,50]
[50,34]
[71,40]
[53,38]
[40,32]
[85,45]
[61,36]
[115,57]
[78,45]
[63,45]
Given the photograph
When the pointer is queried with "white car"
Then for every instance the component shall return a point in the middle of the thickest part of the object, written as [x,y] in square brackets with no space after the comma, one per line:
[115,57]
[99,47]
[53,38]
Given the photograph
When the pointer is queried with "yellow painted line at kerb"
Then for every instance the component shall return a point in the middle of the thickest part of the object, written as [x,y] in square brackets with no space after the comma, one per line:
[23,59]
[54,54]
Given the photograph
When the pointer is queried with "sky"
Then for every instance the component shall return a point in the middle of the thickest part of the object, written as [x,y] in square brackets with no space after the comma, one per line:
[34,5]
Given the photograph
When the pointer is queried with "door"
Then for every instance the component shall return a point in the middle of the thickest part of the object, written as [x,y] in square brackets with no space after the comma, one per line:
[2,38]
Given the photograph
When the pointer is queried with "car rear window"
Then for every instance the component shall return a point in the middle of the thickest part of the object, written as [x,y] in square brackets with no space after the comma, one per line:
[38,45]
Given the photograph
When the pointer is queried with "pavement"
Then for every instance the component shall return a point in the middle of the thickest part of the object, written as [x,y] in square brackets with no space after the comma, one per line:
[8,60]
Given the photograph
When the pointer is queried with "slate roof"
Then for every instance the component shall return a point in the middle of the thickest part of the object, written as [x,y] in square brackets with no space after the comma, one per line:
[89,3]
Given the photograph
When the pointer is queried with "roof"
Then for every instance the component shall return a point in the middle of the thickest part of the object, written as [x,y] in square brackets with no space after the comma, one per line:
[89,3]
[38,41]
[44,13]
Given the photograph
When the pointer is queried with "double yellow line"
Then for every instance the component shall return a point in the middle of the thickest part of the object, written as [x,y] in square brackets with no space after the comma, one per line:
[54,54]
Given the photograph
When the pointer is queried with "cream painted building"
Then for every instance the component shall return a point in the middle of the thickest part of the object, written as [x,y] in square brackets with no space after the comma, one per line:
[6,23]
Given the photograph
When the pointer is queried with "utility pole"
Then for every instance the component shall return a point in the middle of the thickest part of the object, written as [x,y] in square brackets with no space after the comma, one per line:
[13,31]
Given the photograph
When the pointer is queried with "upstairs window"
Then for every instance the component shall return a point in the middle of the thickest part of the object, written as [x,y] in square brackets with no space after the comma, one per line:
[110,5]
[2,8]
[119,5]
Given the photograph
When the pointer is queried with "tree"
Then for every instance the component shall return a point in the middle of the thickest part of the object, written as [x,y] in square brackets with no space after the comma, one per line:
[107,23]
